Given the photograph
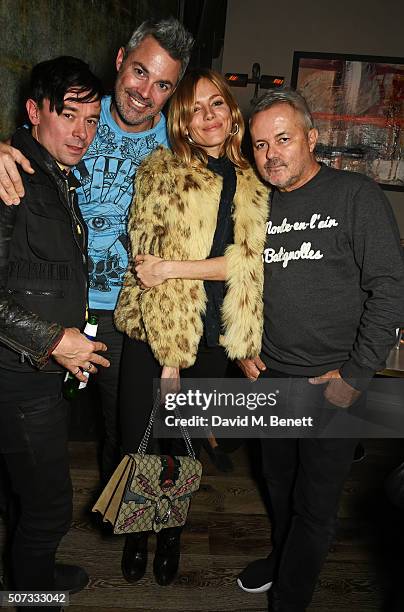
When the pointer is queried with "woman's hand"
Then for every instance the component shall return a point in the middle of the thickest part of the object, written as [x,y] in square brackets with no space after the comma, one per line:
[251,368]
[152,271]
[149,271]
[170,381]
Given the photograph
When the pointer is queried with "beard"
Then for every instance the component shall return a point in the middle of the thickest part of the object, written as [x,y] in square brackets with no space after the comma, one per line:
[276,162]
[273,164]
[132,116]
[284,183]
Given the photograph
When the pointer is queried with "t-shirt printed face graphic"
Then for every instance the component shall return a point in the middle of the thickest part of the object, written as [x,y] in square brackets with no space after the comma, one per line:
[305,250]
[107,174]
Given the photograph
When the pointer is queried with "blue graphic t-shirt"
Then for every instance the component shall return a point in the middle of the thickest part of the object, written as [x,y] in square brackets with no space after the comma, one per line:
[106,173]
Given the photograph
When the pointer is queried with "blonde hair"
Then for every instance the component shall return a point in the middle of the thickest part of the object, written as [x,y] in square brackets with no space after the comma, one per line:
[180,115]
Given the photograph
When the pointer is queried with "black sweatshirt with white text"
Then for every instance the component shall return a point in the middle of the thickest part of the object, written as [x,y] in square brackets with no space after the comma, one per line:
[334,278]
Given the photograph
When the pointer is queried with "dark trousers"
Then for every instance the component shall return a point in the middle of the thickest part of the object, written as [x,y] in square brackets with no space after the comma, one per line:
[107,381]
[305,479]
[33,444]
[138,368]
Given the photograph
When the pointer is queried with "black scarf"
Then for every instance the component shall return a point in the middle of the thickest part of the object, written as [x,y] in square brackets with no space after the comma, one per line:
[224,235]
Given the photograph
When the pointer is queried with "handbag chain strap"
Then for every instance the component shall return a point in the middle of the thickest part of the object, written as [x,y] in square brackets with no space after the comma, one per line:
[184,431]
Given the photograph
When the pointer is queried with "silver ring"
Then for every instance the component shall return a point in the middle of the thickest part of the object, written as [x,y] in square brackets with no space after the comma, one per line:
[75,373]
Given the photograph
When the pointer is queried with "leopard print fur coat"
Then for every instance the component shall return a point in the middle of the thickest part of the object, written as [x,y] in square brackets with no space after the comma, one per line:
[173,216]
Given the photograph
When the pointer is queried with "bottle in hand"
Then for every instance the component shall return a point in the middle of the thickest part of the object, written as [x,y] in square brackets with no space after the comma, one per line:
[72,385]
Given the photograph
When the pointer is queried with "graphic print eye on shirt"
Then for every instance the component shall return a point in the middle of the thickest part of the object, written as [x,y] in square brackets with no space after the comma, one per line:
[107,174]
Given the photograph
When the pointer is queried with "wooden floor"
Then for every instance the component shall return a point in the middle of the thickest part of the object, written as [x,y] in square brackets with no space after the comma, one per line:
[228,527]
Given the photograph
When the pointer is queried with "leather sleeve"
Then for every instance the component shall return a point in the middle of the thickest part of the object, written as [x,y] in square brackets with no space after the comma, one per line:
[20,329]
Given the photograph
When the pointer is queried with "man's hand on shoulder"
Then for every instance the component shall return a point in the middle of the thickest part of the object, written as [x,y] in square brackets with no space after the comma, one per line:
[75,352]
[11,187]
[251,368]
[337,391]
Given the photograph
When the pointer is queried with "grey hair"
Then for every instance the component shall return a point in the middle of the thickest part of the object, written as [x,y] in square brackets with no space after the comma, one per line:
[285,96]
[170,34]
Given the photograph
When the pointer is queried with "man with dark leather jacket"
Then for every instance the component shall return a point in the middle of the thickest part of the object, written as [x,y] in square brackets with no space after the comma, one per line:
[45,271]
[43,297]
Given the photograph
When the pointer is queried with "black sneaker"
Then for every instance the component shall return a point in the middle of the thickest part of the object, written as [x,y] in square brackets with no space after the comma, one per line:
[257,577]
[70,578]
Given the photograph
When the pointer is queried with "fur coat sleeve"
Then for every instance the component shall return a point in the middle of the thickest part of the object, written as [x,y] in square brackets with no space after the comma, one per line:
[242,310]
[173,216]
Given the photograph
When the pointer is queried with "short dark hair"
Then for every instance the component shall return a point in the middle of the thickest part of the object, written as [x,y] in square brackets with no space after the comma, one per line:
[53,78]
[285,96]
[170,35]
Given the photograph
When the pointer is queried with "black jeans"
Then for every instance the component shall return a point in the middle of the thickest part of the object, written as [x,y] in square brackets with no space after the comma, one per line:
[138,369]
[33,444]
[107,381]
[305,479]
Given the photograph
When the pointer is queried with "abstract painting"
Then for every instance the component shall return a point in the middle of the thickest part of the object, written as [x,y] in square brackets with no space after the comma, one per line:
[357,102]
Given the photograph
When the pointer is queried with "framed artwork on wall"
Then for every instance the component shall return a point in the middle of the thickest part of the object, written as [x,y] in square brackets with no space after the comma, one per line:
[357,103]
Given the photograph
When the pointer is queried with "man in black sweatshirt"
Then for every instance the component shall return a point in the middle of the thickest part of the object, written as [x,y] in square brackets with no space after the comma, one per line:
[333,296]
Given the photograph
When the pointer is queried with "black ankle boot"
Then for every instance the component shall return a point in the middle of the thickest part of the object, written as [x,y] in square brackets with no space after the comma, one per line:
[134,558]
[167,557]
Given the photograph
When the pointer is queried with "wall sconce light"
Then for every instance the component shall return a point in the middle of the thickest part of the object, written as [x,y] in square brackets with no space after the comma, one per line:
[263,81]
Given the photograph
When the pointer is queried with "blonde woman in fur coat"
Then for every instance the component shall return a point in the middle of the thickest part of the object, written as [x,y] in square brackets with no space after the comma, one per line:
[193,297]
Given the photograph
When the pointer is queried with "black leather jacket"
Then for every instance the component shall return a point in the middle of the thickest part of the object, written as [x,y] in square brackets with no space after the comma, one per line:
[43,263]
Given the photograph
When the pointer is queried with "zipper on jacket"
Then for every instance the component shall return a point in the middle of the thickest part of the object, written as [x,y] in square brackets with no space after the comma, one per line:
[76,221]
[39,293]
[79,225]
[19,349]
[25,355]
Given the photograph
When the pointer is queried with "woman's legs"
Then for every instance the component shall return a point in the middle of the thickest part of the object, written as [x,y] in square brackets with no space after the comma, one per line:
[211,362]
[138,369]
